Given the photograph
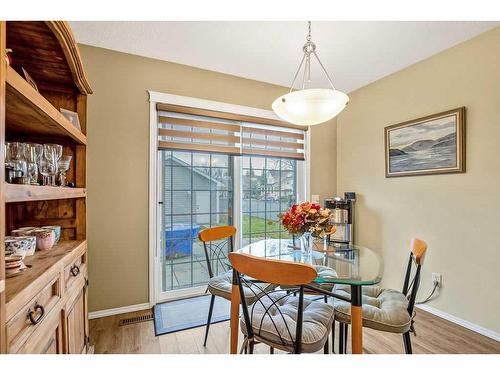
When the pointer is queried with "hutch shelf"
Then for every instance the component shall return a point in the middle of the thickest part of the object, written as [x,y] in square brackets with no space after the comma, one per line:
[44,308]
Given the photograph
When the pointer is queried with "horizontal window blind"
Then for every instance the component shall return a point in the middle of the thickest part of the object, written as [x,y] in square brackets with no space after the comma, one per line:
[272,141]
[198,133]
[190,131]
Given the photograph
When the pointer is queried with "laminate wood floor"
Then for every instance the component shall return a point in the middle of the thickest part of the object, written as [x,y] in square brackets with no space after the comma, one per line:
[434,335]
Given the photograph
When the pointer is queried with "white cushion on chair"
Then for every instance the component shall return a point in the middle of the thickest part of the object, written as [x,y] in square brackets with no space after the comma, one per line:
[317,322]
[322,271]
[383,309]
[221,285]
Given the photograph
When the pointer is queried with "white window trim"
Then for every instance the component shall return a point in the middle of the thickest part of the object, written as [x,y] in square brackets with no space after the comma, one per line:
[166,98]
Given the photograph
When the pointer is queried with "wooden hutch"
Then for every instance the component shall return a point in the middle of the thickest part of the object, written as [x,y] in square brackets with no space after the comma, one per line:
[55,279]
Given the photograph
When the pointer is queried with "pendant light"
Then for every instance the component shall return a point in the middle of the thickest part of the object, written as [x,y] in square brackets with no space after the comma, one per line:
[310,106]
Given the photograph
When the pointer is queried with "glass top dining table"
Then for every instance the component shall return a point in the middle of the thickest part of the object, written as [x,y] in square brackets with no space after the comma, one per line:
[352,265]
[342,263]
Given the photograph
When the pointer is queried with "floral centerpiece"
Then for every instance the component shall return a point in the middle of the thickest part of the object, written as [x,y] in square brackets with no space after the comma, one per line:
[307,219]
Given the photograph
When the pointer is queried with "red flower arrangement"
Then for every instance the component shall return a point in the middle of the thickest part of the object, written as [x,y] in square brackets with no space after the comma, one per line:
[307,217]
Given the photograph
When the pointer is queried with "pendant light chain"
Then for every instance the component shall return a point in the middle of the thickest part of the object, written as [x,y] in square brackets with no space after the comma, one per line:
[308,49]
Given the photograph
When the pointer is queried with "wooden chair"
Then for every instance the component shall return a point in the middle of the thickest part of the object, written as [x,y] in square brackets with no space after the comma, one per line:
[385,309]
[277,318]
[218,242]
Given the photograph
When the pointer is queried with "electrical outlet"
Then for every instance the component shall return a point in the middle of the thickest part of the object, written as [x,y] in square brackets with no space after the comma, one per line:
[436,279]
[315,198]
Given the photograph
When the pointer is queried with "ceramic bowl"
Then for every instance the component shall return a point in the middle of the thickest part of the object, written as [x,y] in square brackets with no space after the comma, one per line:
[57,231]
[30,244]
[13,261]
[16,246]
[25,231]
[13,264]
[45,239]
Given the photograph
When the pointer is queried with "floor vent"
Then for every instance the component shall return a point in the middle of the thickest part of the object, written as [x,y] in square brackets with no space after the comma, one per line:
[136,319]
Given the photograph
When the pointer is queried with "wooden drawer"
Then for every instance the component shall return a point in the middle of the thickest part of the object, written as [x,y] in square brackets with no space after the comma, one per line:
[47,338]
[75,271]
[20,326]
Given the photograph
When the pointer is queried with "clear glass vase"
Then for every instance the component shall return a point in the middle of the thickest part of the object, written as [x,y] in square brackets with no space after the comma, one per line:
[306,243]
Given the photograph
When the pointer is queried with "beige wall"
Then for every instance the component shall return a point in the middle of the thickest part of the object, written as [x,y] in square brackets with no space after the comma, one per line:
[323,177]
[458,215]
[118,120]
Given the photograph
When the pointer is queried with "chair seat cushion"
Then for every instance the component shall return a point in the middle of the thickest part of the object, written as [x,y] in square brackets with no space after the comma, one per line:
[221,286]
[372,291]
[322,271]
[383,309]
[278,329]
[325,272]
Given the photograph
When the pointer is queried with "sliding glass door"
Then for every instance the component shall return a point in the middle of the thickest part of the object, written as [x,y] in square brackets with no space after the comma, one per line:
[196,191]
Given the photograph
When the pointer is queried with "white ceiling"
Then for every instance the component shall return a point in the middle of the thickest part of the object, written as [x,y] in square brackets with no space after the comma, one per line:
[354,53]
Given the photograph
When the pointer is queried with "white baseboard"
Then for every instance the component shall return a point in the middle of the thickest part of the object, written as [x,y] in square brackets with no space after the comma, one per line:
[118,310]
[461,322]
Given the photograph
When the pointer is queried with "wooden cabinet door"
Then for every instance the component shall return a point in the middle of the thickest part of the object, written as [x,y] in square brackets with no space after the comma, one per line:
[76,324]
[50,346]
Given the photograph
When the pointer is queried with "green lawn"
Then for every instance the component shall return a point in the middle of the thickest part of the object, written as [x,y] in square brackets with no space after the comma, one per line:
[260,225]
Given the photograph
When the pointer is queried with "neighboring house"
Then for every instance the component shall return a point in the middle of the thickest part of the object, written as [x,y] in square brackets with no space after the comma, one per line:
[274,187]
[185,185]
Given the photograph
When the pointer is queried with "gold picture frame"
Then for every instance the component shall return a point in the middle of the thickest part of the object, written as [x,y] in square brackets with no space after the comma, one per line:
[428,145]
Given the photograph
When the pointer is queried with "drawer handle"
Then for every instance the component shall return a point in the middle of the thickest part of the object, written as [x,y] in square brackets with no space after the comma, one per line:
[33,312]
[75,270]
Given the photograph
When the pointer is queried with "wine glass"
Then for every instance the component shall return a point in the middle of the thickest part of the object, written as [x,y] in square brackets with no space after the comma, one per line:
[48,169]
[32,153]
[43,167]
[58,149]
[9,161]
[16,159]
[23,163]
[63,166]
[53,152]
[38,150]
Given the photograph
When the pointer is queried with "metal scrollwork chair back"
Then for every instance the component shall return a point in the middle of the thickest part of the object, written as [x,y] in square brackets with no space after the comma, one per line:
[217,243]
[277,317]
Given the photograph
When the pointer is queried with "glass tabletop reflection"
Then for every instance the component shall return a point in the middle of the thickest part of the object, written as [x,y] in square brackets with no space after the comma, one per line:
[336,263]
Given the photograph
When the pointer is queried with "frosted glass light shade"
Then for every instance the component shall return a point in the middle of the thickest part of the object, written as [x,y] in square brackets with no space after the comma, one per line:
[311,106]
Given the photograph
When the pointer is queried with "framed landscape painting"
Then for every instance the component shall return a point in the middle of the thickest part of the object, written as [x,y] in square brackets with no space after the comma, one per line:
[428,145]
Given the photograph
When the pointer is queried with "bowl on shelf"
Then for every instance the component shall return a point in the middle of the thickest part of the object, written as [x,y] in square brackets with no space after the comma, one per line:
[57,231]
[29,243]
[15,246]
[13,264]
[24,231]
[45,239]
